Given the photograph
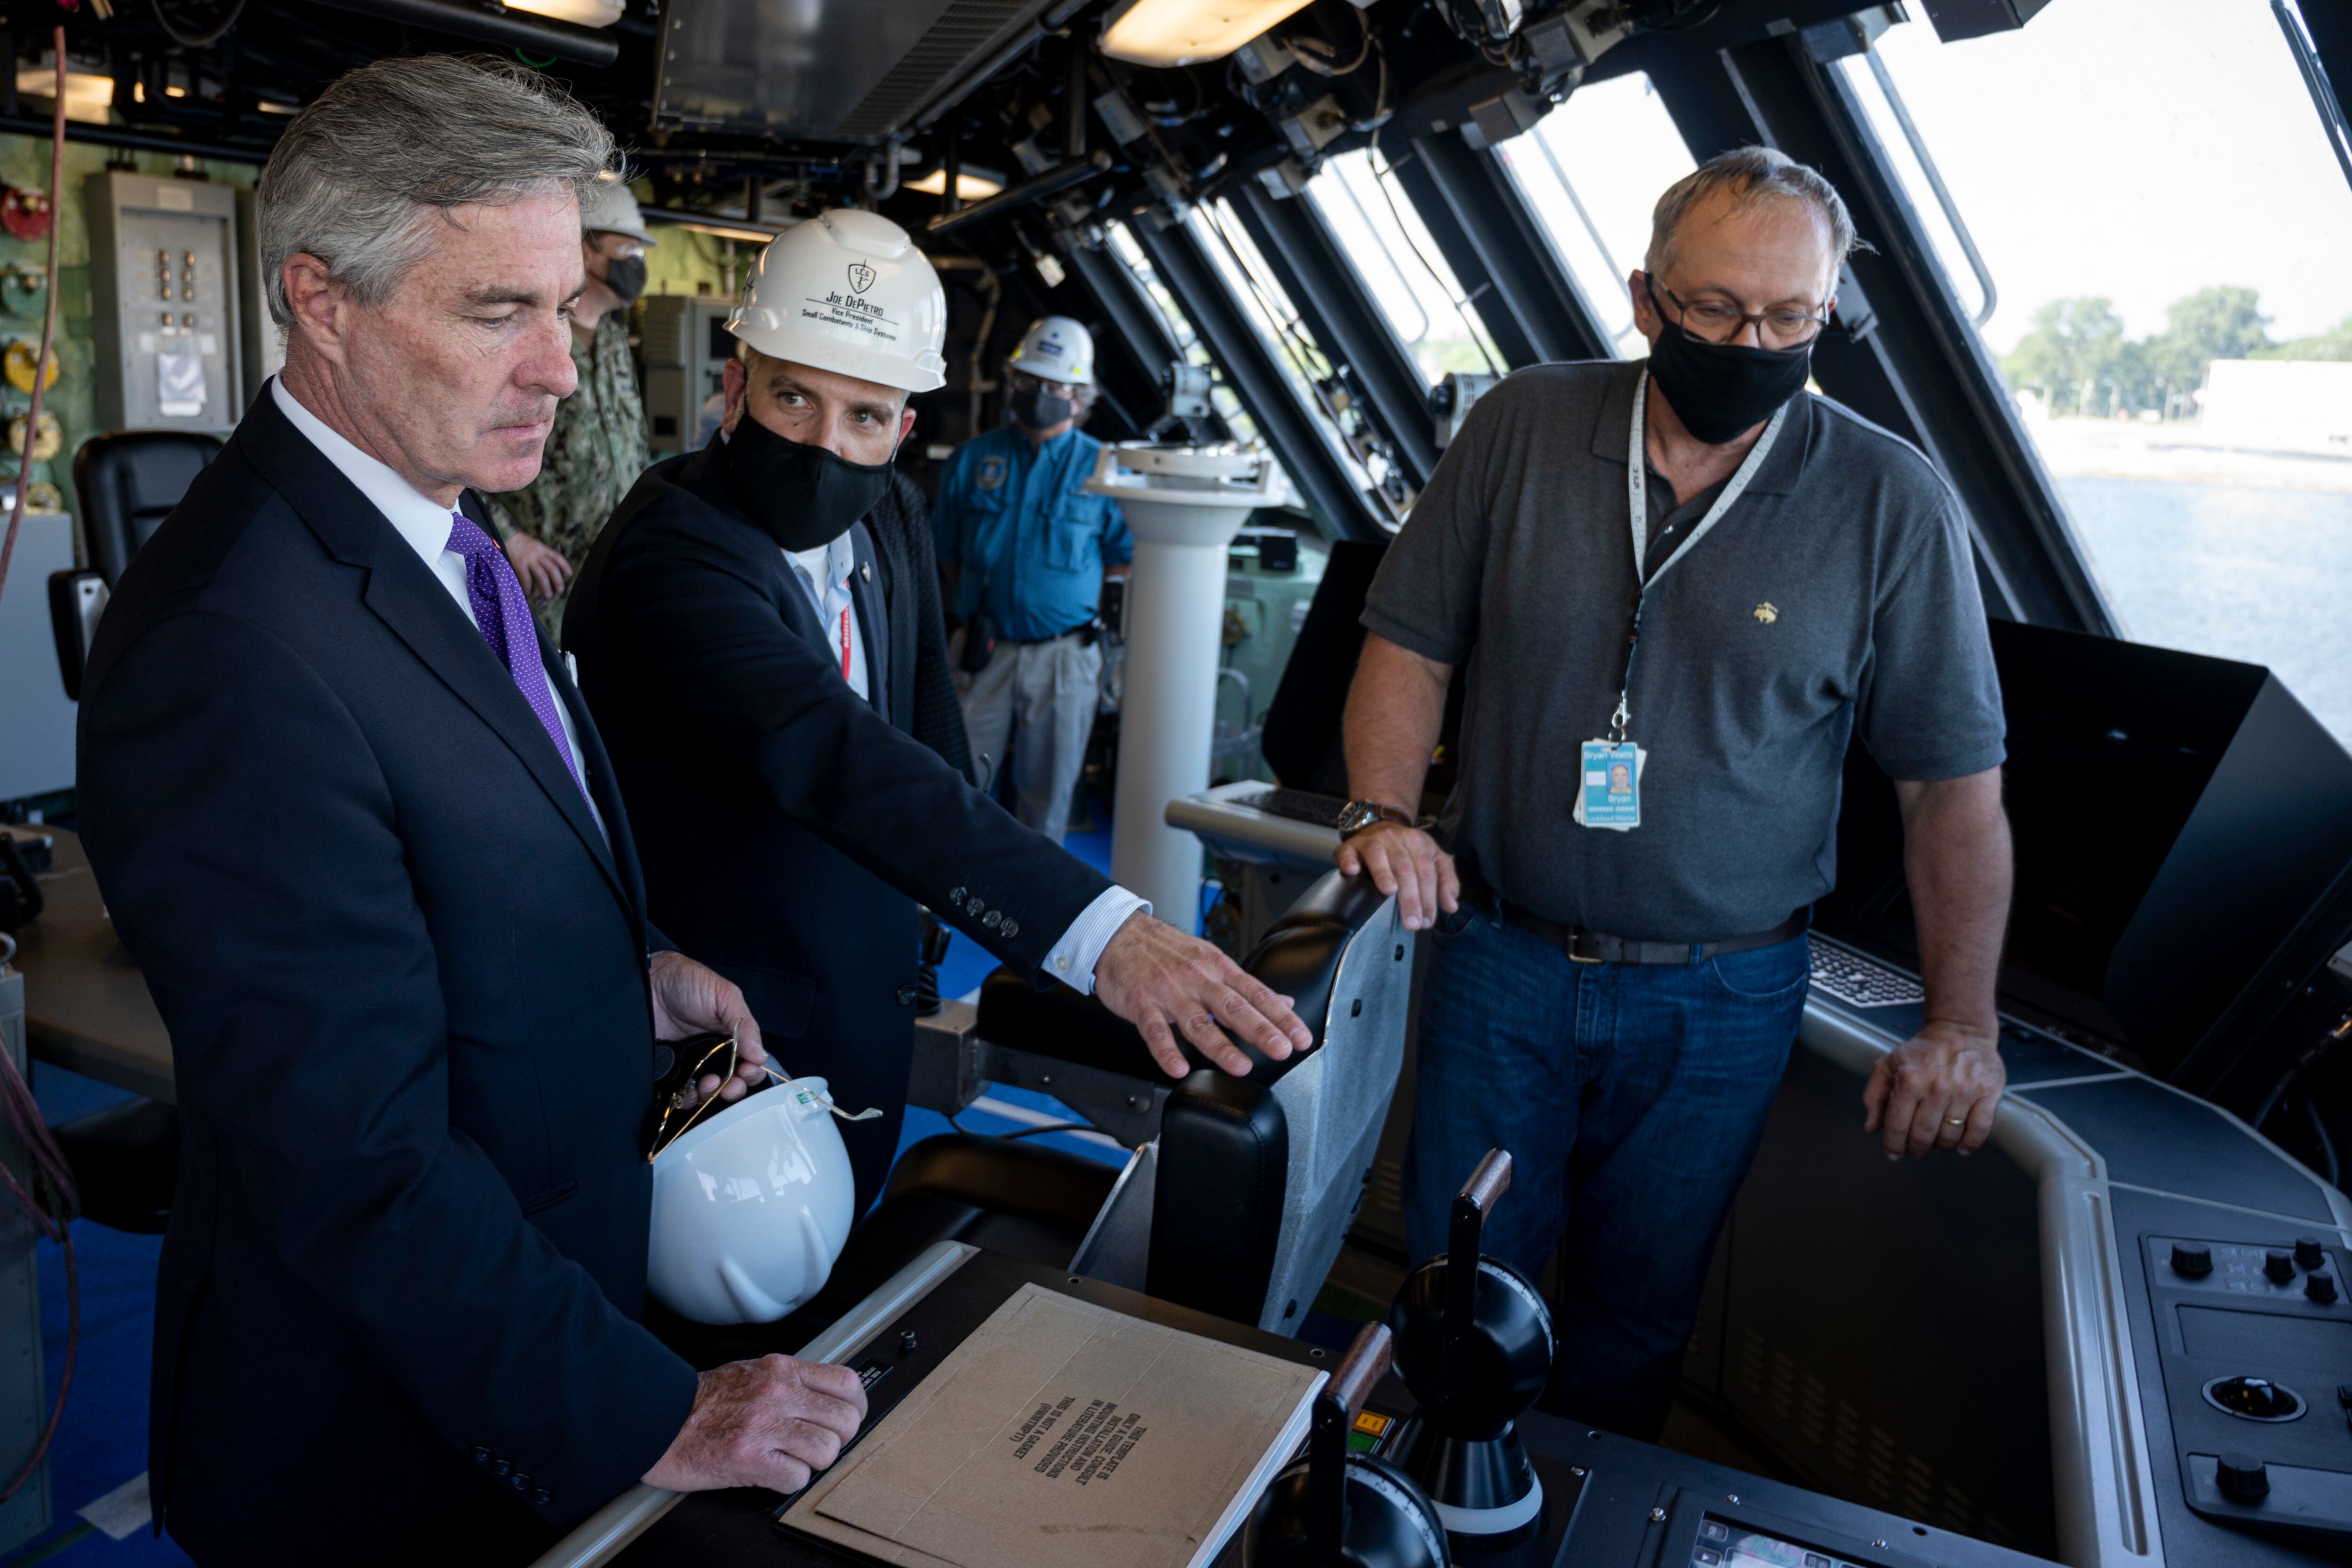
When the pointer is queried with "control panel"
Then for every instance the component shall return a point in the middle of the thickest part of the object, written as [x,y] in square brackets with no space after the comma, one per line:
[164,306]
[2255,1341]
[685,346]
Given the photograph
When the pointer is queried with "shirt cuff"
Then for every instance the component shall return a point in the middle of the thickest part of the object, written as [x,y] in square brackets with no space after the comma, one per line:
[1072,959]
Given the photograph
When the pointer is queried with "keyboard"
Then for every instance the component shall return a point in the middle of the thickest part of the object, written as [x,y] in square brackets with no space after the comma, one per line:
[1860,983]
[1299,805]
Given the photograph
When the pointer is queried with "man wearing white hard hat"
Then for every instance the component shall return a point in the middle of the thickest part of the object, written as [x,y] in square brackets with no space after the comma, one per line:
[598,446]
[746,649]
[1027,549]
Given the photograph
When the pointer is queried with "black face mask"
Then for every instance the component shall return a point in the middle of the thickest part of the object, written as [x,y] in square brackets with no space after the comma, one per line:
[1719,390]
[804,495]
[1043,406]
[627,277]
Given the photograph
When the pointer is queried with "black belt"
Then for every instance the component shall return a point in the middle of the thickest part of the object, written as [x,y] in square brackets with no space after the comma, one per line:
[1040,641]
[1599,947]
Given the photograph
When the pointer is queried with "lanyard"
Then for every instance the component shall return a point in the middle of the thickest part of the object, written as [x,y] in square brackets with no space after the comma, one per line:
[844,642]
[1637,495]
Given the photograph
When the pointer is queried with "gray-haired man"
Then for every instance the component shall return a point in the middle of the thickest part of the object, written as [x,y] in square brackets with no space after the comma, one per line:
[1680,585]
[356,826]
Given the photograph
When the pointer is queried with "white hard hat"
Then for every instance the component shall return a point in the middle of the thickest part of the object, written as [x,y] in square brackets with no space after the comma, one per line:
[611,208]
[1057,349]
[750,1207]
[848,292]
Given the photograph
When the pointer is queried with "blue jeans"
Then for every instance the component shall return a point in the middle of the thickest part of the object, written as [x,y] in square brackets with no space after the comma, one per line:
[1631,1098]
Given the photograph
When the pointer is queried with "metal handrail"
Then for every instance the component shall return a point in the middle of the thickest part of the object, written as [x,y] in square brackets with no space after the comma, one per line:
[1935,183]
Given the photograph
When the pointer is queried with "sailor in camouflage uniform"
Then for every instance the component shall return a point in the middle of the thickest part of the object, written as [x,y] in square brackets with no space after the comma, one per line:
[597,448]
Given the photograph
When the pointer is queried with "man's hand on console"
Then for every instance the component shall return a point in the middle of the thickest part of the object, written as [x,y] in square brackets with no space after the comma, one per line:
[1937,1090]
[1406,863]
[771,1422]
[1160,980]
[689,999]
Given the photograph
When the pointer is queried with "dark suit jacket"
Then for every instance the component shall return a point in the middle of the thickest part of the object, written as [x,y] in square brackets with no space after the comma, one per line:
[404,977]
[786,824]
[922,689]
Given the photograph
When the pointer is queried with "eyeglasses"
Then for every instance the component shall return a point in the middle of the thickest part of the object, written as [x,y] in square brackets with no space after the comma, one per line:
[1720,321]
[678,1097]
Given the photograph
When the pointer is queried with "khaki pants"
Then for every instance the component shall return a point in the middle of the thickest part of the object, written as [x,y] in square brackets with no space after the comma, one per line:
[1036,700]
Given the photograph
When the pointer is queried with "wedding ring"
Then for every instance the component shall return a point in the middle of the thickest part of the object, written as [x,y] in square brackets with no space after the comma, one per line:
[1955,1121]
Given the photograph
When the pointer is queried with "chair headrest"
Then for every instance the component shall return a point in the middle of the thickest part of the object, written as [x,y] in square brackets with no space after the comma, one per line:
[1298,956]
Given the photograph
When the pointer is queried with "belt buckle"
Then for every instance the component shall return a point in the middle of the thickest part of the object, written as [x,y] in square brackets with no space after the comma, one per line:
[1575,939]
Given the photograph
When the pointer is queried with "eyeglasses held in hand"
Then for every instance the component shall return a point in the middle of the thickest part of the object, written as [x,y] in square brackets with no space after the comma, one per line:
[679,1101]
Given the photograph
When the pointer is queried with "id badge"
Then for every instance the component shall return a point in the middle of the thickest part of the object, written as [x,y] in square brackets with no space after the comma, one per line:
[1611,793]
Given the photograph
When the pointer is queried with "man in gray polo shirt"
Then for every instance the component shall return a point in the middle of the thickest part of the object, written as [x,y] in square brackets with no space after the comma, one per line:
[1648,796]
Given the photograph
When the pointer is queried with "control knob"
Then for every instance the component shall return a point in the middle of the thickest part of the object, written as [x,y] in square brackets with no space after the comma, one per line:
[2320,1288]
[2256,1398]
[2309,1253]
[2192,1259]
[2278,1267]
[2242,1477]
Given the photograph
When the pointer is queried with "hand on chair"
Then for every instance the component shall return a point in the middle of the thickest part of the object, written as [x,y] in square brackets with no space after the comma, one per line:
[1160,980]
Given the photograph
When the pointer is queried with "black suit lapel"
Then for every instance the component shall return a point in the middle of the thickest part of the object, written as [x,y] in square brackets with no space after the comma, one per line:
[405,594]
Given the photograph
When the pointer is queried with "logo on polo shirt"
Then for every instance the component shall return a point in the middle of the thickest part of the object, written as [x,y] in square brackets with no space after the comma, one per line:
[1766,613]
[992,472]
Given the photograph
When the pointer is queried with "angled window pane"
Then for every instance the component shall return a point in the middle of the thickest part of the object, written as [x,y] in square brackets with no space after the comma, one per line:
[1591,170]
[1131,255]
[2167,236]
[1401,265]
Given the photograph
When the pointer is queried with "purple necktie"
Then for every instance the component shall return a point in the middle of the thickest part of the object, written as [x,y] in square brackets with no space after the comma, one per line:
[505,623]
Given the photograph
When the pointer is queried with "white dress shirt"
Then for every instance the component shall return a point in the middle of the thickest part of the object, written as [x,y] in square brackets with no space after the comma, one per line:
[424,524]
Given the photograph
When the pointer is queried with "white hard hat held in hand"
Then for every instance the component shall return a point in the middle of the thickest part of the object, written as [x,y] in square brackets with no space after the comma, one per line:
[1057,349]
[847,291]
[750,1207]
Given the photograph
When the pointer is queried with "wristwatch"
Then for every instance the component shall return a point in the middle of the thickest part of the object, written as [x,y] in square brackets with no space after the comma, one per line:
[1358,815]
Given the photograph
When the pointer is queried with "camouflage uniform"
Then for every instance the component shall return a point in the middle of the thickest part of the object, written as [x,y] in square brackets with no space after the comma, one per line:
[595,454]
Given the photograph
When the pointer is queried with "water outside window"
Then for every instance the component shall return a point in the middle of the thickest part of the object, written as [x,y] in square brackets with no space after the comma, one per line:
[1592,170]
[1376,226]
[2167,233]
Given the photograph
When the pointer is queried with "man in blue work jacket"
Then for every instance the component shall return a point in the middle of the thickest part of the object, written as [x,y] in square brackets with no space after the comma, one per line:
[1027,549]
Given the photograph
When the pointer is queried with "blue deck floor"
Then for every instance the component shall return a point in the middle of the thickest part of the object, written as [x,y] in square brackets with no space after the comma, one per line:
[102,1441]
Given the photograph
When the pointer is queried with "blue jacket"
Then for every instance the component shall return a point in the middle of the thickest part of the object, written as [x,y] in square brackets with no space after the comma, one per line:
[1031,540]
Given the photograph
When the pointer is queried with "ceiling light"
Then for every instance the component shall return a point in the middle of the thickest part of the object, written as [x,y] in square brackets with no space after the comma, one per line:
[585,13]
[1186,32]
[88,95]
[268,107]
[971,184]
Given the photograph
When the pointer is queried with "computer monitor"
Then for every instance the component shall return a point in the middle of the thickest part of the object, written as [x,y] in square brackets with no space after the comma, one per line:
[1302,738]
[2176,817]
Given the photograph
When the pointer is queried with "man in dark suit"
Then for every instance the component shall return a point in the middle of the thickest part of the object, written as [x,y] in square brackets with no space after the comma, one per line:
[745,654]
[357,829]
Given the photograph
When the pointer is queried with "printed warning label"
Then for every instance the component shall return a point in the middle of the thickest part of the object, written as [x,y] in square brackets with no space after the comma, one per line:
[1087,1447]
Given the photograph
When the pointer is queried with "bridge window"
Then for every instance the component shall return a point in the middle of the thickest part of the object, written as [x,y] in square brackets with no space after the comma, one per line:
[1592,170]
[2164,233]
[1221,397]
[1401,265]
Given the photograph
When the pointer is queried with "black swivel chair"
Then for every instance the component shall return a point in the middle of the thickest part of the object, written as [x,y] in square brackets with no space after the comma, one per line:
[128,482]
[125,1157]
[1237,1192]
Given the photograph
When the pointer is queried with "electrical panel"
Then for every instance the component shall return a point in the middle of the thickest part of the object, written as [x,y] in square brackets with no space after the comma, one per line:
[165,302]
[684,347]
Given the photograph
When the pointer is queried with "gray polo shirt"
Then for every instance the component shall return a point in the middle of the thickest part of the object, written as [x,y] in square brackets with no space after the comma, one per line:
[1837,591]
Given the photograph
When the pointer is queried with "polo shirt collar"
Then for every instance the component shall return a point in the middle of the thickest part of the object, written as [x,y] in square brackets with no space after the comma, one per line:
[1783,465]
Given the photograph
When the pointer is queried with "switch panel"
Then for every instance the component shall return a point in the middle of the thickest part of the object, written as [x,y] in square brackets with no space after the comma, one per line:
[2254,1339]
[163,295]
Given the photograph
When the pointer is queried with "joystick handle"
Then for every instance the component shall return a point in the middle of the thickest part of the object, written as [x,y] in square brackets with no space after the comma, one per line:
[1464,1237]
[1351,1382]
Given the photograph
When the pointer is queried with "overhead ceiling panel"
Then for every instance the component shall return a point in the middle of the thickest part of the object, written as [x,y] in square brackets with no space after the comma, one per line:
[824,70]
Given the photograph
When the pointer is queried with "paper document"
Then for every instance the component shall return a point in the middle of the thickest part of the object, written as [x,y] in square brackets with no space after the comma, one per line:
[1063,1435]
